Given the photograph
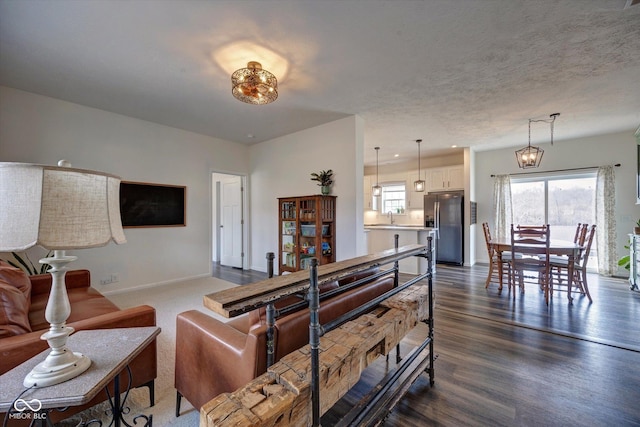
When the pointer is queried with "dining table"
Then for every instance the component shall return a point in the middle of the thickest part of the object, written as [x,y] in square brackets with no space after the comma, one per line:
[556,247]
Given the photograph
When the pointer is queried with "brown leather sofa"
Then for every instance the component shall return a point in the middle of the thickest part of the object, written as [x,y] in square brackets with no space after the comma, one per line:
[214,357]
[22,305]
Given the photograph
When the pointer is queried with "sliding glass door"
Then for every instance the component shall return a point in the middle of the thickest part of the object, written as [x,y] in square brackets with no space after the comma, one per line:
[560,201]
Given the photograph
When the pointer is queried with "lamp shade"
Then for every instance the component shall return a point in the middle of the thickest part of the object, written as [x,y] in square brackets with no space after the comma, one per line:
[57,208]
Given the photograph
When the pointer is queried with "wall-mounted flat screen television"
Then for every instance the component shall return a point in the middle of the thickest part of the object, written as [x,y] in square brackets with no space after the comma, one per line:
[152,205]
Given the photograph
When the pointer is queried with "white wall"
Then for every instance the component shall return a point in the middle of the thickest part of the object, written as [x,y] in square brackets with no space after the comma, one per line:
[584,152]
[282,167]
[454,159]
[38,129]
[469,196]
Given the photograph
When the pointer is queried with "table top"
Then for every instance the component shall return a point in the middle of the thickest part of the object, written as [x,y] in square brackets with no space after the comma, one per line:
[110,351]
[556,247]
[236,301]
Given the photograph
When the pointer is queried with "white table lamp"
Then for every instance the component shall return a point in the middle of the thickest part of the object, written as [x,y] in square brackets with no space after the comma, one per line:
[58,208]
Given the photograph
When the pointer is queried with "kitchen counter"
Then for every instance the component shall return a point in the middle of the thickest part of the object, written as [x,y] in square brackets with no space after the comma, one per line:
[381,237]
[397,227]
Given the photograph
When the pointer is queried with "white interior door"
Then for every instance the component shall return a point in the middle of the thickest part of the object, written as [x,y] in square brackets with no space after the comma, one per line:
[231,222]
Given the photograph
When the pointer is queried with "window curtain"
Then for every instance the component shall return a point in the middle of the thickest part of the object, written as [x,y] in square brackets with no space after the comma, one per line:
[606,221]
[503,213]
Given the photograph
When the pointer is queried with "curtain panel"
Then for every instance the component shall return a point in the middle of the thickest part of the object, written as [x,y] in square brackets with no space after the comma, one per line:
[606,234]
[503,213]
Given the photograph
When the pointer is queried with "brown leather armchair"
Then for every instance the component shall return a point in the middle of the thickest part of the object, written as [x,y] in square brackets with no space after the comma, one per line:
[213,357]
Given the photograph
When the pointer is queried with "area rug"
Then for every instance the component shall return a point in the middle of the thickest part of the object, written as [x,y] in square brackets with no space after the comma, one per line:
[168,300]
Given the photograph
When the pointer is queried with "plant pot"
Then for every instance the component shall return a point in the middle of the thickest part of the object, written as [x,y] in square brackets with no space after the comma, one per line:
[325,189]
[636,230]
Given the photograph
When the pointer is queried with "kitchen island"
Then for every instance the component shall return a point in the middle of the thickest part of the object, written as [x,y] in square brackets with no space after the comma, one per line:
[380,237]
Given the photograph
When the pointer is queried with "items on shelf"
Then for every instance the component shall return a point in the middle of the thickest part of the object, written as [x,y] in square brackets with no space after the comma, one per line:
[326,248]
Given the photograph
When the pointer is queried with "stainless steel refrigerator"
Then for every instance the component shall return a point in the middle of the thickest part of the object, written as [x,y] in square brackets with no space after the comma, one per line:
[445,211]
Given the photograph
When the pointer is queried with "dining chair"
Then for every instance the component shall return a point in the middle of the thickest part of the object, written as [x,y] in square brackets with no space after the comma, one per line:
[533,244]
[559,265]
[557,261]
[494,259]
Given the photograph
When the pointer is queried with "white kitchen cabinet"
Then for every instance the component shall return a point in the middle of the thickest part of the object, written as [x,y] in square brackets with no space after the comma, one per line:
[368,201]
[446,178]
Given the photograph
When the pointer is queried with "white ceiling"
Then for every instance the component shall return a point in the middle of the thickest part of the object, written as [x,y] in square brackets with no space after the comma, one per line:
[465,72]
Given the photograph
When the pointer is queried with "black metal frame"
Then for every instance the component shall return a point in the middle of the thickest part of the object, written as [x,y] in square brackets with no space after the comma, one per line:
[272,313]
[377,405]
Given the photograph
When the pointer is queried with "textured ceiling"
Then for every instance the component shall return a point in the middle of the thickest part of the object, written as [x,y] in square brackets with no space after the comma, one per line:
[464,72]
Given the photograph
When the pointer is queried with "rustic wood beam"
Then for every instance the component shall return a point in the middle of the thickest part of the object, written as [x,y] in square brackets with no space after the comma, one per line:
[282,396]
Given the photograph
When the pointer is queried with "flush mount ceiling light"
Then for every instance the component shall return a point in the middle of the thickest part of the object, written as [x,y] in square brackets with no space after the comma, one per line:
[376,190]
[530,156]
[254,85]
[419,184]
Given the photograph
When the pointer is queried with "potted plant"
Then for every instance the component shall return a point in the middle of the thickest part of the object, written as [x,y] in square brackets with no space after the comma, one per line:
[636,229]
[325,179]
[625,261]
[24,262]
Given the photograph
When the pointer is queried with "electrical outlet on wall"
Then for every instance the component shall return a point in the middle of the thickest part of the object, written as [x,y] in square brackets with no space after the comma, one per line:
[113,278]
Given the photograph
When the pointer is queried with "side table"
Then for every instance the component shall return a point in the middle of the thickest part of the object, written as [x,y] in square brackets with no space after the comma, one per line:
[110,351]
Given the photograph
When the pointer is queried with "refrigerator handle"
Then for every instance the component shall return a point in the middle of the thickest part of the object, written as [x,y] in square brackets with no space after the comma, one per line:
[436,212]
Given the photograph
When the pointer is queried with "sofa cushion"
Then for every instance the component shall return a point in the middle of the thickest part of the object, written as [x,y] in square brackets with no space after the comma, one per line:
[16,277]
[14,311]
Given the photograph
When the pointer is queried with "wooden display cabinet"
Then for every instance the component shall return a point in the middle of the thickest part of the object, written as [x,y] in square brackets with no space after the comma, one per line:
[306,230]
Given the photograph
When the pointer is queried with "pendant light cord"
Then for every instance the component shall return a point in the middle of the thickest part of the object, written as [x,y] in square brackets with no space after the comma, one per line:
[377,148]
[419,173]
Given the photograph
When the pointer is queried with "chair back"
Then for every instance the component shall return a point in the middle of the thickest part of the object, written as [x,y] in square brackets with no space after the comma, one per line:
[533,240]
[487,238]
[581,232]
[586,244]
[529,230]
[575,237]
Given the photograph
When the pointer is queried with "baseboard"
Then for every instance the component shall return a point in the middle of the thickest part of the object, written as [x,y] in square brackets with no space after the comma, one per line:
[154,285]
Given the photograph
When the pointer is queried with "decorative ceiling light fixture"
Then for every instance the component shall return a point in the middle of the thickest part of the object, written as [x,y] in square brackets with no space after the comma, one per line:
[376,190]
[254,85]
[419,184]
[529,157]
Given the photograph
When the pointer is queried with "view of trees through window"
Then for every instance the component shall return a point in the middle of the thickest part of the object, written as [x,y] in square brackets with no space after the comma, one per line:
[562,202]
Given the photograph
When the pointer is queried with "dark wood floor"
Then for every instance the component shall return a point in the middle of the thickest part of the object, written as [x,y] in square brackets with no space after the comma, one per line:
[237,275]
[505,361]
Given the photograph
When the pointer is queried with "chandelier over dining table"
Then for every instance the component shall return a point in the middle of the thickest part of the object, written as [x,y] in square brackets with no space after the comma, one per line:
[530,156]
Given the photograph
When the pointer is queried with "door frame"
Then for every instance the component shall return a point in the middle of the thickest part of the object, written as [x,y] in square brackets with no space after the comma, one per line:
[215,178]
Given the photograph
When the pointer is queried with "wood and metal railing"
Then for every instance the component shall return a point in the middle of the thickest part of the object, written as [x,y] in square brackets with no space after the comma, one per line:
[305,284]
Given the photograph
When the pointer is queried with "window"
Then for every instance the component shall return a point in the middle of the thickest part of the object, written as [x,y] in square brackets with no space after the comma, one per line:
[393,198]
[560,201]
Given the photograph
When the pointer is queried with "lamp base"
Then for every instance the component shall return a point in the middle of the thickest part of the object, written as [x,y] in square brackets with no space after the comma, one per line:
[61,363]
[44,375]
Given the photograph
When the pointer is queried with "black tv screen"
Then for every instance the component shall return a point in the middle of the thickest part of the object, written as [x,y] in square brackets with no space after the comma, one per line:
[152,205]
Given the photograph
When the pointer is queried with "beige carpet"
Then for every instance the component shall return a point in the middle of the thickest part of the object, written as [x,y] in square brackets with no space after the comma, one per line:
[168,300]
